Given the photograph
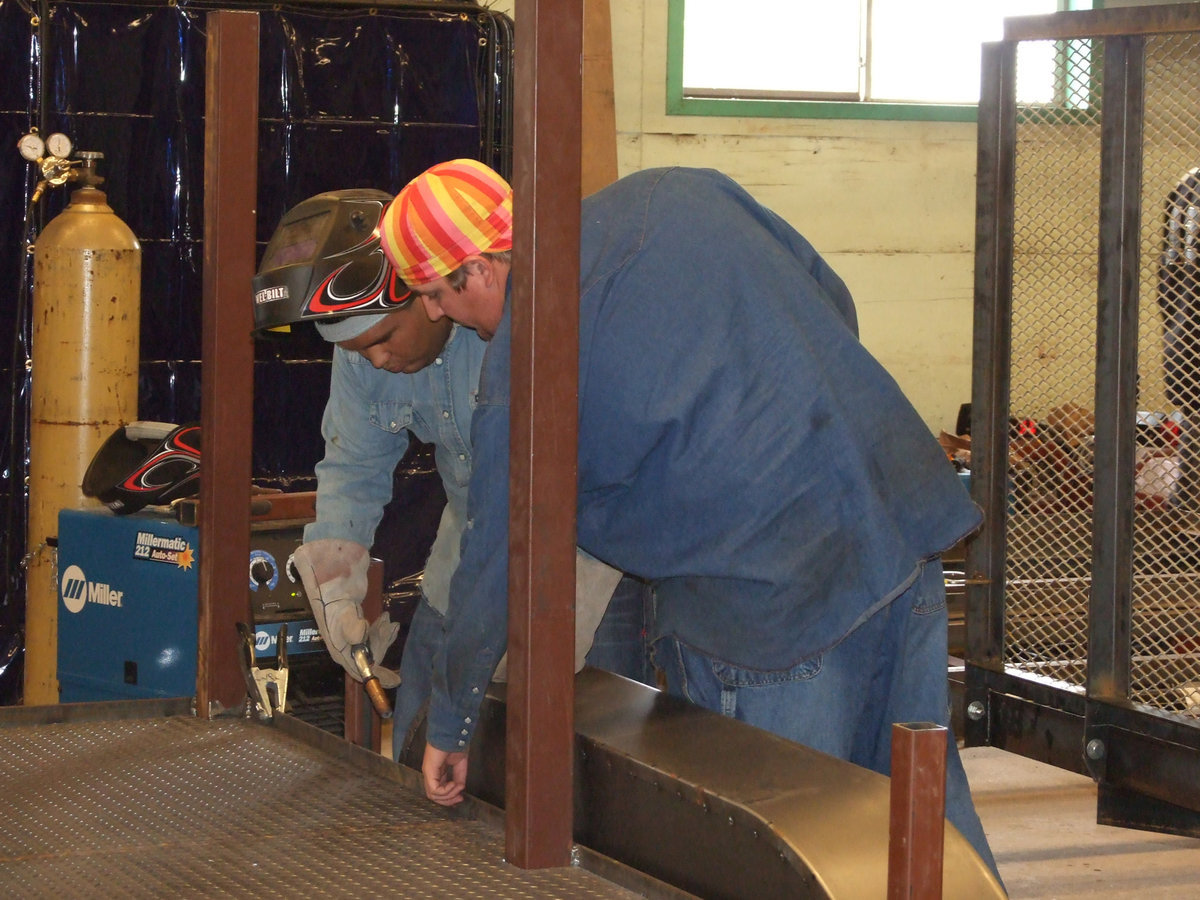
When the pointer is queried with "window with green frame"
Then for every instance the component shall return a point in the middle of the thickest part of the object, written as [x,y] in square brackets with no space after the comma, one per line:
[861,59]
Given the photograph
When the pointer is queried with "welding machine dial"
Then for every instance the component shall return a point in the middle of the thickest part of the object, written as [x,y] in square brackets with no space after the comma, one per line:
[263,570]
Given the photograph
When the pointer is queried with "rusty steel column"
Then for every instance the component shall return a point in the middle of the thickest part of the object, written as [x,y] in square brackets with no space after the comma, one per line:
[361,725]
[918,811]
[227,378]
[544,427]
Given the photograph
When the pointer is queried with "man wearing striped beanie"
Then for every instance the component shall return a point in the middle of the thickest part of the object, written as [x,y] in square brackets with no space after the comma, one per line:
[738,448]
[399,376]
[449,234]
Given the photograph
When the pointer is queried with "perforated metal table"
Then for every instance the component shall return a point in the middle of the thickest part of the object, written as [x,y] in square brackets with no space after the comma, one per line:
[184,807]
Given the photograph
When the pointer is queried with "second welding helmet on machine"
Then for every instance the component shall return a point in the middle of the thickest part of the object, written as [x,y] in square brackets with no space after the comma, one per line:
[145,464]
[324,263]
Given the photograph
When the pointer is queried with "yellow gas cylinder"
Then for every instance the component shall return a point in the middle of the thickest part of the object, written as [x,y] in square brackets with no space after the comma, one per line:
[86,316]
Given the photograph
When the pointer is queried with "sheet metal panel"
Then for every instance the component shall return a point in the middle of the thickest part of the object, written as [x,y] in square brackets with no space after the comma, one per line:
[714,806]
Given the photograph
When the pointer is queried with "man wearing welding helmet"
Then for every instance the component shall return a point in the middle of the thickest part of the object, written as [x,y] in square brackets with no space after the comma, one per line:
[738,447]
[395,373]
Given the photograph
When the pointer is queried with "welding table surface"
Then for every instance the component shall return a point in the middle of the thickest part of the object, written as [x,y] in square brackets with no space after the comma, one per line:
[191,807]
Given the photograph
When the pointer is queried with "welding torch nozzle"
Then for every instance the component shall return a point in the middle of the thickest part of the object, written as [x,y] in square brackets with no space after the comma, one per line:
[361,654]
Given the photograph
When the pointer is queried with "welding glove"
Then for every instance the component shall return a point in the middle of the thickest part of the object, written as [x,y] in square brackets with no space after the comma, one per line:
[334,575]
[594,586]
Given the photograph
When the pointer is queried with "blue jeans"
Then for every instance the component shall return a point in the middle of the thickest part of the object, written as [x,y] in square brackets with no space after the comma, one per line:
[416,672]
[620,646]
[891,668]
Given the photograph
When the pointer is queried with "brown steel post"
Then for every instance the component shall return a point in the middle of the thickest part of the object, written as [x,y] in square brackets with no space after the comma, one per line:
[227,385]
[544,427]
[918,810]
[361,725]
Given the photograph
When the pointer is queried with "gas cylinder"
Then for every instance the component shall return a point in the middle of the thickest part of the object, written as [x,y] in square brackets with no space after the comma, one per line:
[86,316]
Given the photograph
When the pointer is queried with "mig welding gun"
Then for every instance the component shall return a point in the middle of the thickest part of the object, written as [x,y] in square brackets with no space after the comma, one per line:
[334,575]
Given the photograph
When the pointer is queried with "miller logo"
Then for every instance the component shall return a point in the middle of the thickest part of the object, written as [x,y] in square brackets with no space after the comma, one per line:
[77,591]
[263,641]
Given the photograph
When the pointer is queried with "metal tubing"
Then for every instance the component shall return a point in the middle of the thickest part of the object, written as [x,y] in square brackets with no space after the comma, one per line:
[361,724]
[1110,601]
[544,427]
[1036,720]
[227,378]
[1168,18]
[985,558]
[918,808]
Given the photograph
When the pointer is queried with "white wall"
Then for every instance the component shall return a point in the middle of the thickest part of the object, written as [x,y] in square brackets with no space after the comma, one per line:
[891,205]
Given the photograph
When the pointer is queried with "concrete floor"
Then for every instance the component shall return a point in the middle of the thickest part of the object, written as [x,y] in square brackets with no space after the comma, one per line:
[1041,822]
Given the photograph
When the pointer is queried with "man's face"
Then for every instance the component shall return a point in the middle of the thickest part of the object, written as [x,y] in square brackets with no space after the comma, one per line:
[480,303]
[406,341]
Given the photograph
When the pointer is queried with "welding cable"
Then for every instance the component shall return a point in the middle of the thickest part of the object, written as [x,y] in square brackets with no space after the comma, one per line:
[18,420]
[13,556]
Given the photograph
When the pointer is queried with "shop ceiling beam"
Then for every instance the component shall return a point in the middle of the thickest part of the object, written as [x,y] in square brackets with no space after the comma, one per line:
[544,428]
[1075,24]
[227,349]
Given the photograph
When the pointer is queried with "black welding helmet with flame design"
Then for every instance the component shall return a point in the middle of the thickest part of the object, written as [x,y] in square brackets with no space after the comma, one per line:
[324,263]
[145,464]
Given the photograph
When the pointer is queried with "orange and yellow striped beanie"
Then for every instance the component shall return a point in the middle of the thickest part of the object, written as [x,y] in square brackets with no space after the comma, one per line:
[450,211]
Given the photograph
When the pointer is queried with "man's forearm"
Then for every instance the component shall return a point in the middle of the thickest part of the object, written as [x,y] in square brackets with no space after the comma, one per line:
[477,618]
[475,639]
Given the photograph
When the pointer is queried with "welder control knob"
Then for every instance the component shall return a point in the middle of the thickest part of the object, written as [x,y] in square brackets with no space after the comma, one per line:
[264,571]
[261,571]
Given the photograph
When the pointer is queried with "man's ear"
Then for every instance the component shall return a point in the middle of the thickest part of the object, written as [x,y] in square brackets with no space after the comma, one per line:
[478,265]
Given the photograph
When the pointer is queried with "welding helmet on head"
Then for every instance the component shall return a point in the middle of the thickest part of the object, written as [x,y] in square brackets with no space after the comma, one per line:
[145,464]
[324,264]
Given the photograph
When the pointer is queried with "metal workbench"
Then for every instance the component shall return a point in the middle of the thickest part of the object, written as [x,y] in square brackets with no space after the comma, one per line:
[108,800]
[142,799]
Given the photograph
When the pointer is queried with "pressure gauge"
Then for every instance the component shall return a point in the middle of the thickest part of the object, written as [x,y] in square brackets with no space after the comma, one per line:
[31,147]
[59,145]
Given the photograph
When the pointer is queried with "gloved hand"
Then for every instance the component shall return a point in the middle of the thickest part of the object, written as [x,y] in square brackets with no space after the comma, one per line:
[380,636]
[334,575]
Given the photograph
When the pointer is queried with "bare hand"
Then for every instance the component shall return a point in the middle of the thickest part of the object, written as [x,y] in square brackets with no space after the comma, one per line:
[445,775]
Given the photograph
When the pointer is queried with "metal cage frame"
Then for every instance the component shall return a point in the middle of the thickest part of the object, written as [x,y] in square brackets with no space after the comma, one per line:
[1074,696]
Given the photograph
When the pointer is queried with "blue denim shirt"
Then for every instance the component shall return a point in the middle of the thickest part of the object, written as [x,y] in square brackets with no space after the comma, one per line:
[366,427]
[737,444]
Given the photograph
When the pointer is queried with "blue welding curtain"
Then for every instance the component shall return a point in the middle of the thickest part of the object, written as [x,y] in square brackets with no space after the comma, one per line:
[348,97]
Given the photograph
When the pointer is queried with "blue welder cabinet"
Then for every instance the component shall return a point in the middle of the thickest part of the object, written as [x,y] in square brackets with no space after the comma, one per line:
[128,600]
[127,606]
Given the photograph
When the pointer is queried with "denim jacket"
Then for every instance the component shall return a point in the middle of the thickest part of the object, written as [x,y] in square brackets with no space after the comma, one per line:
[366,427]
[737,444]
